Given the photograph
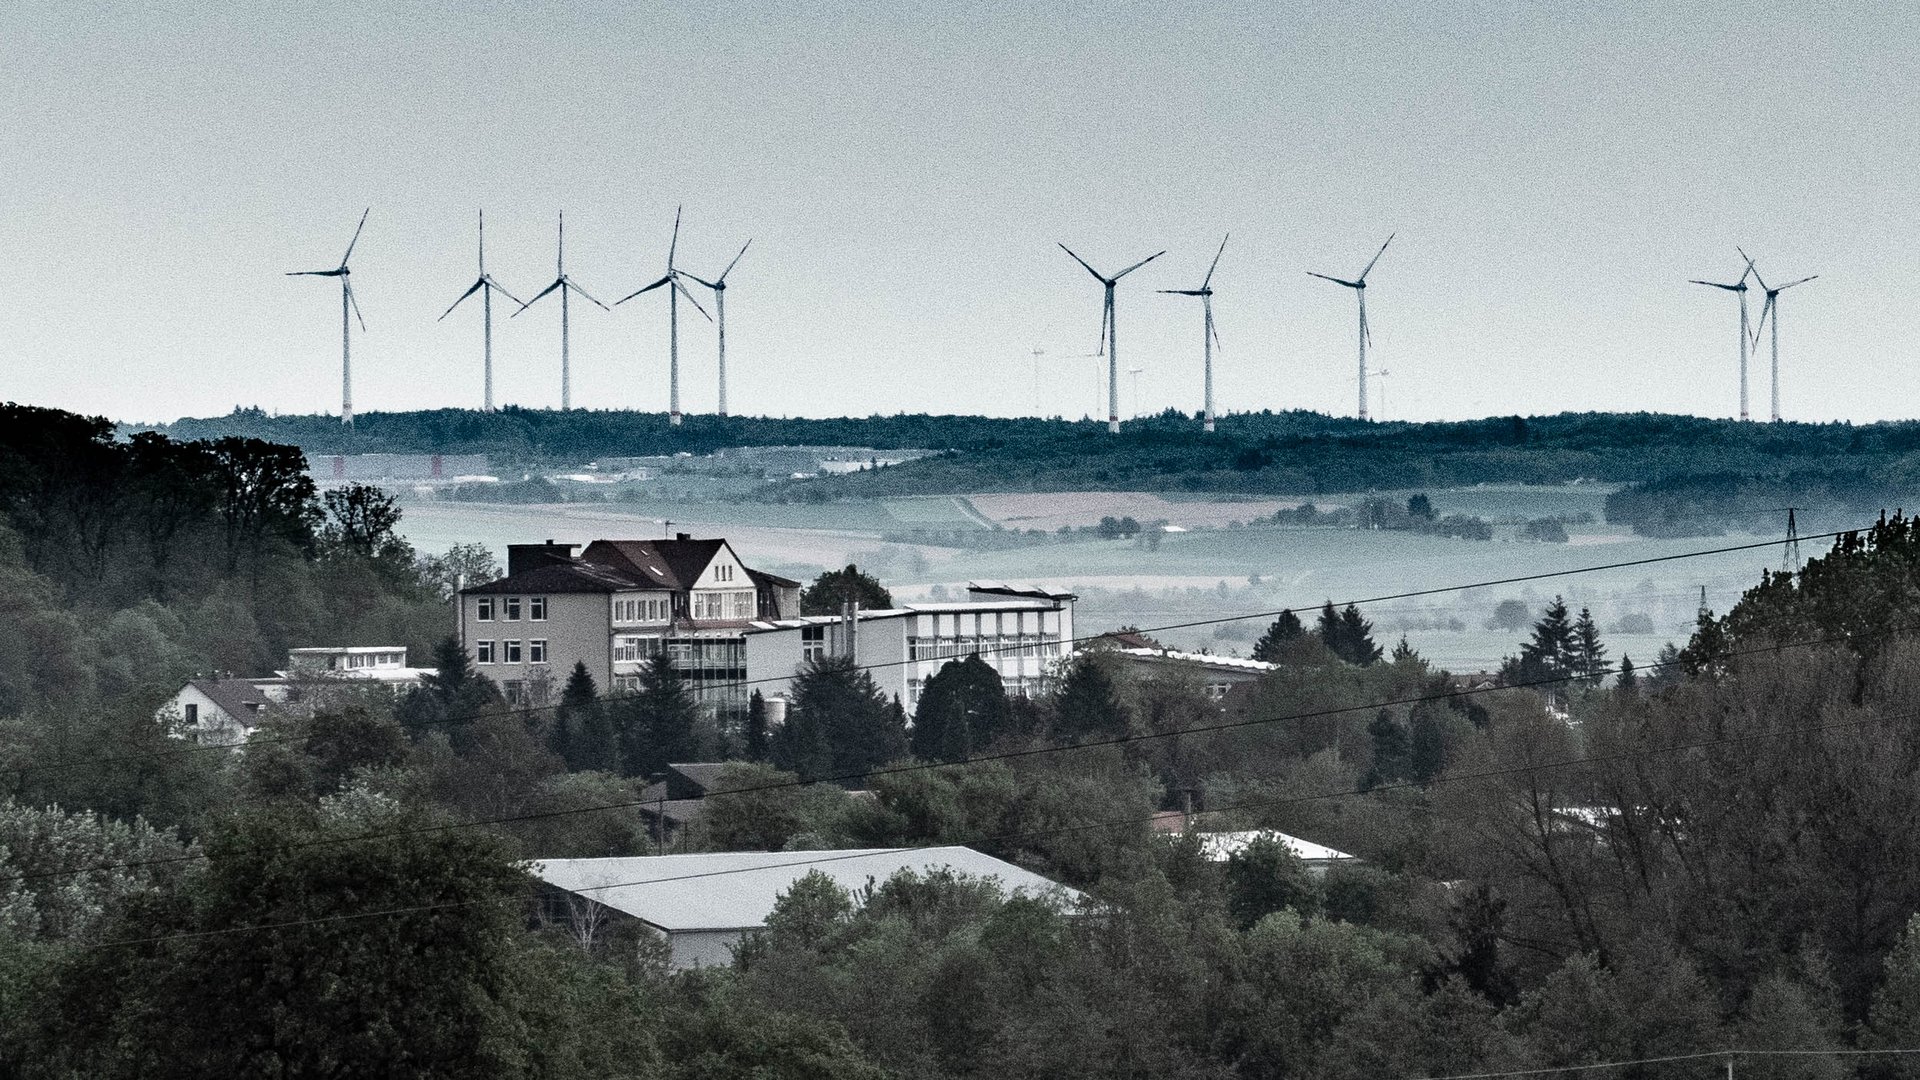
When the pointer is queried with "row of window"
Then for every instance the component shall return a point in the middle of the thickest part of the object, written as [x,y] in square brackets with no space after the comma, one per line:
[990,647]
[509,652]
[642,609]
[509,607]
[723,573]
[684,652]
[723,605]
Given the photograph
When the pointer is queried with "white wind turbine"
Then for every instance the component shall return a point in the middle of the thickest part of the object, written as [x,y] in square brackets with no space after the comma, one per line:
[564,285]
[1359,287]
[719,287]
[675,290]
[1771,306]
[346,302]
[486,287]
[1738,288]
[1209,337]
[1109,332]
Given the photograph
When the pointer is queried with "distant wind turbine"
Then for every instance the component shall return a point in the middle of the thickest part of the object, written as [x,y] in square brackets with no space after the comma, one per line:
[719,287]
[1772,307]
[1359,287]
[1208,335]
[1110,332]
[346,301]
[564,285]
[1738,288]
[486,287]
[675,290]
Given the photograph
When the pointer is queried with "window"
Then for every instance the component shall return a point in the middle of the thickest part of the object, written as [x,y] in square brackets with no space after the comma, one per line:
[626,684]
[512,606]
[483,609]
[813,642]
[510,651]
[537,651]
[192,713]
[483,652]
[537,608]
[515,691]
[629,649]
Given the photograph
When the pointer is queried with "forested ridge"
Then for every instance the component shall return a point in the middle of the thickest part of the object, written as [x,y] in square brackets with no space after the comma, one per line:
[1280,453]
[1605,860]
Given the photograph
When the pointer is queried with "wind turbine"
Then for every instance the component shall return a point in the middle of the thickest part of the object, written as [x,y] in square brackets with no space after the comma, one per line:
[486,287]
[1135,372]
[674,291]
[1208,335]
[719,287]
[346,301]
[564,285]
[1739,288]
[1772,307]
[1359,287]
[1110,333]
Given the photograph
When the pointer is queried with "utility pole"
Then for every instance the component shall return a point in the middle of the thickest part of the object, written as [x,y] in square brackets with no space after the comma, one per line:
[1790,558]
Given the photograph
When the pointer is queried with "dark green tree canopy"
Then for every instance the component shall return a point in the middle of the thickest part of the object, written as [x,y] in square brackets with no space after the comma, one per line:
[833,589]
[963,709]
[1284,629]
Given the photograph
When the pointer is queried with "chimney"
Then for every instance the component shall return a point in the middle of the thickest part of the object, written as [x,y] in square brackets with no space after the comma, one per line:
[524,557]
[683,536]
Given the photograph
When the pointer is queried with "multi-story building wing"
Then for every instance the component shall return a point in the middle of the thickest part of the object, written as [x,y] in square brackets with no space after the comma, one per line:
[614,607]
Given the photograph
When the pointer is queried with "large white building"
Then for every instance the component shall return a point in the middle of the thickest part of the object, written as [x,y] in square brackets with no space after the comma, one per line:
[1021,631]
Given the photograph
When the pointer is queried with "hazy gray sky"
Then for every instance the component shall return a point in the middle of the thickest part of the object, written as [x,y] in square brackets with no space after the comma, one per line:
[1555,171]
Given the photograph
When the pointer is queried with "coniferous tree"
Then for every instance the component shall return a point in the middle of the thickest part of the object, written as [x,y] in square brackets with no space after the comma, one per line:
[578,698]
[1427,756]
[1589,657]
[1330,630]
[1087,704]
[1392,750]
[840,723]
[1284,629]
[1629,680]
[1549,655]
[657,723]
[963,709]
[1404,653]
[756,740]
[1356,638]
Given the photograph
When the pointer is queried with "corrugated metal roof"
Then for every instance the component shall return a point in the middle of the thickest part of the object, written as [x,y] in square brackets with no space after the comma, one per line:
[736,890]
[1219,845]
[1199,658]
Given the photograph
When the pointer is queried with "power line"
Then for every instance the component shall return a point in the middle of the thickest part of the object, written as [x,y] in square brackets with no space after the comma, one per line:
[1010,755]
[990,650]
[1696,1056]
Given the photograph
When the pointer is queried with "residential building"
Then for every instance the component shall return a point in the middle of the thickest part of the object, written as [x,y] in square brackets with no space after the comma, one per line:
[1021,631]
[218,711]
[704,904]
[224,710]
[1217,675]
[614,607]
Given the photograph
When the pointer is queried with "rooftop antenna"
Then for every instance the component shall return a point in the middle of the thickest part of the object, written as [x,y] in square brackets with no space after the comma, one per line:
[1209,337]
[564,285]
[486,287]
[346,302]
[1110,333]
[1738,288]
[719,287]
[1772,307]
[1359,287]
[675,290]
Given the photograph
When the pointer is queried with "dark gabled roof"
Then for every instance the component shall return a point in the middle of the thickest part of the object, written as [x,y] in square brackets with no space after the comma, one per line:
[761,577]
[238,698]
[701,774]
[671,564]
[569,577]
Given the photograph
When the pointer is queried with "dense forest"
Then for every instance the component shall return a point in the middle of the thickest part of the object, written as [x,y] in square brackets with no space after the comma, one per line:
[1713,853]
[1277,453]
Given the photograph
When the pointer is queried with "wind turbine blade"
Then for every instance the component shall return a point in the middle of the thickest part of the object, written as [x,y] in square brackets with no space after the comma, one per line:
[476,287]
[590,299]
[483,243]
[648,289]
[501,289]
[1083,262]
[736,259]
[1138,265]
[1366,328]
[1751,268]
[356,235]
[690,299]
[355,303]
[1762,321]
[1211,329]
[1715,284]
[698,279]
[561,263]
[1183,292]
[1208,280]
[560,284]
[1335,280]
[1791,284]
[1106,312]
[674,245]
[1376,257]
[313,273]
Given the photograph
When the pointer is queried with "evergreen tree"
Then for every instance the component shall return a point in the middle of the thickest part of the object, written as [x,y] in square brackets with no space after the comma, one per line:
[1330,630]
[840,724]
[1427,757]
[1550,654]
[578,698]
[756,748]
[1589,655]
[1629,680]
[1353,637]
[1404,653]
[1392,751]
[963,709]
[1284,629]
[656,725]
[450,698]
[1087,704]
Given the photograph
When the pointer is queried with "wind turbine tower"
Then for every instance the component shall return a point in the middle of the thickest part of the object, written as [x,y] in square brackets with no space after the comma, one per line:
[1359,287]
[1738,288]
[564,285]
[719,287]
[1208,335]
[347,302]
[486,287]
[674,291]
[1110,333]
[1771,307]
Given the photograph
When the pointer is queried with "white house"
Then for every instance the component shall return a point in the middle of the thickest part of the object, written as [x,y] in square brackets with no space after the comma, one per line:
[224,711]
[218,712]
[704,904]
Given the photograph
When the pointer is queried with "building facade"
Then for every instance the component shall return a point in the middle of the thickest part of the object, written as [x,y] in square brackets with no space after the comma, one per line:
[614,607]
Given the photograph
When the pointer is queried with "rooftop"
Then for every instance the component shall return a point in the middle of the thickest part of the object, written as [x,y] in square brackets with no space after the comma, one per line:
[1209,659]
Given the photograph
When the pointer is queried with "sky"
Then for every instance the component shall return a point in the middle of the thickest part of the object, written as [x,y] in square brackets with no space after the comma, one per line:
[1554,174]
